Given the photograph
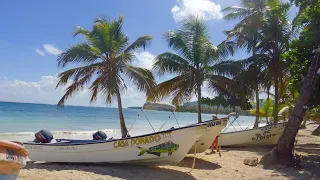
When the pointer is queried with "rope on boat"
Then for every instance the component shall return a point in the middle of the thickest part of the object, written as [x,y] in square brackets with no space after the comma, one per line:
[164,124]
[150,124]
[175,118]
[194,157]
[132,126]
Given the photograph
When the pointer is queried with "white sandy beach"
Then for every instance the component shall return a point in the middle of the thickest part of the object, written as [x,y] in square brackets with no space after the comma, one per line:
[228,166]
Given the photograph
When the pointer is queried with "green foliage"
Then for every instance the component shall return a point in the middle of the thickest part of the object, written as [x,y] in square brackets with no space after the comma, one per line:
[224,101]
[195,60]
[105,55]
[213,110]
[300,54]
[266,111]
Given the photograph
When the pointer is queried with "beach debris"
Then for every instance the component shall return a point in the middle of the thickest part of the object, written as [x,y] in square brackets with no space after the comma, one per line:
[251,161]
[167,147]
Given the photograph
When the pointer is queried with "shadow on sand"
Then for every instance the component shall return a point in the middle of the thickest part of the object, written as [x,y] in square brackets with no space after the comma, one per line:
[309,170]
[199,164]
[114,170]
[308,148]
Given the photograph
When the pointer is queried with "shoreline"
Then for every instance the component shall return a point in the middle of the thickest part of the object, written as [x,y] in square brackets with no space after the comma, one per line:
[228,166]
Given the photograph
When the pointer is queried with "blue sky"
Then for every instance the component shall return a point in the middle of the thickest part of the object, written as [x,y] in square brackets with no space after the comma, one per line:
[32,33]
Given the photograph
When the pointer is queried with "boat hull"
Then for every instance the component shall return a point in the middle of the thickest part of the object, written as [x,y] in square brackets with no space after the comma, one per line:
[166,147]
[263,136]
[205,141]
[13,157]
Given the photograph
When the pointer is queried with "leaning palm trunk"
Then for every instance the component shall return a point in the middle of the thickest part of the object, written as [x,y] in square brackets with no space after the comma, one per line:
[199,103]
[124,130]
[283,151]
[256,123]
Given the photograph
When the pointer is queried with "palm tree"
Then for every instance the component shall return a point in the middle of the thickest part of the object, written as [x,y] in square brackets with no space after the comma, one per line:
[246,34]
[105,57]
[278,33]
[196,60]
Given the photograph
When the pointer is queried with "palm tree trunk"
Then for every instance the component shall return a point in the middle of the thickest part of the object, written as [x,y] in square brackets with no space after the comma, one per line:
[276,98]
[282,152]
[256,123]
[316,132]
[268,97]
[124,130]
[199,102]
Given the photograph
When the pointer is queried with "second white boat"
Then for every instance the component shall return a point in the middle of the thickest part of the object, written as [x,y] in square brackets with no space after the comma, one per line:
[213,129]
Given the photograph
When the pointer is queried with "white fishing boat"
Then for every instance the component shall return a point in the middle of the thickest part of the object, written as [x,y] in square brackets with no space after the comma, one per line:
[262,136]
[213,129]
[13,157]
[164,147]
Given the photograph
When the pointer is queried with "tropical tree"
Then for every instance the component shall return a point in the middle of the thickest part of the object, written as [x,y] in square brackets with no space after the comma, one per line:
[283,151]
[105,57]
[277,34]
[247,35]
[196,60]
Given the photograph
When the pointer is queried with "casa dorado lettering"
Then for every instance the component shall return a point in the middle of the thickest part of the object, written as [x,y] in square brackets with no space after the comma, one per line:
[142,140]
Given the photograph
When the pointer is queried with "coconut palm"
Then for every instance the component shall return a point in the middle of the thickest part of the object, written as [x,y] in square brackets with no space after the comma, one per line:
[278,33]
[196,60]
[246,34]
[105,57]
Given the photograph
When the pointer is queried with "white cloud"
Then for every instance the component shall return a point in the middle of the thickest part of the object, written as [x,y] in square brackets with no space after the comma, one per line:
[52,49]
[44,91]
[144,59]
[41,53]
[205,9]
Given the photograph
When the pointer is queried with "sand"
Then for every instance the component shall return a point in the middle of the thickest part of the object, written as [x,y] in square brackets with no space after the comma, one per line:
[208,166]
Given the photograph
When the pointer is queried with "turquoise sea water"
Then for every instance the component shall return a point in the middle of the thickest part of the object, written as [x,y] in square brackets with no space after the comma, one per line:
[19,121]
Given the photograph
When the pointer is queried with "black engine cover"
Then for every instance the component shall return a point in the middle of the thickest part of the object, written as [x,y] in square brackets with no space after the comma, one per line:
[43,136]
[99,135]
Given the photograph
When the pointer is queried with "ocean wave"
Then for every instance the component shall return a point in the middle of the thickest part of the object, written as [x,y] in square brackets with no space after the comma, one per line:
[60,132]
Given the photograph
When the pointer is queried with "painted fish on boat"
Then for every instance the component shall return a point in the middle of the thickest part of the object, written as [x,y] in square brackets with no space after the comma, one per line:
[167,147]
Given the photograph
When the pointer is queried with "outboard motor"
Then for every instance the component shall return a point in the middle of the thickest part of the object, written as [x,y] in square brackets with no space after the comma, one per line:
[43,136]
[99,135]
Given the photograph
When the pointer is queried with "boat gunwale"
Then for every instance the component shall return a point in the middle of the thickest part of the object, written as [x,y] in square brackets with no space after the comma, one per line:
[112,140]
[252,128]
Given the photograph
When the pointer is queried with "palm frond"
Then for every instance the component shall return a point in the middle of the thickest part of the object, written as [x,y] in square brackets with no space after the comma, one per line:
[140,77]
[225,49]
[80,30]
[76,73]
[178,87]
[79,53]
[170,63]
[95,88]
[75,87]
[177,41]
[225,68]
[142,41]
